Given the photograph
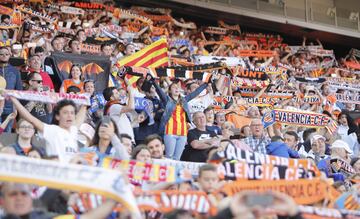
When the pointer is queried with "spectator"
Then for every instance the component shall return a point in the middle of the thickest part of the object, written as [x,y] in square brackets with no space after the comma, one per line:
[317,151]
[258,139]
[210,118]
[173,122]
[42,111]
[199,140]
[116,107]
[25,132]
[156,146]
[126,140]
[278,148]
[141,153]
[13,82]
[292,140]
[208,178]
[35,66]
[105,141]
[75,46]
[348,131]
[62,136]
[75,79]
[4,124]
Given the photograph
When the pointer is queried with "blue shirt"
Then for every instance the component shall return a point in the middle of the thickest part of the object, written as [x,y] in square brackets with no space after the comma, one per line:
[13,82]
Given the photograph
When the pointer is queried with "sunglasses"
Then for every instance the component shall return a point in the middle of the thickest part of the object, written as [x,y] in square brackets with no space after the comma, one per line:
[37,81]
[5,54]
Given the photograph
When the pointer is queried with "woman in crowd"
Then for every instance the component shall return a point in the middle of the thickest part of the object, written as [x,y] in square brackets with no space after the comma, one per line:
[348,131]
[25,132]
[75,79]
[141,153]
[106,141]
[173,124]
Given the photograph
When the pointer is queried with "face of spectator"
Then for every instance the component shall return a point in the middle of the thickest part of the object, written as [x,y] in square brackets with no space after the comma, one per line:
[34,154]
[156,148]
[115,95]
[127,143]
[36,82]
[341,152]
[208,181]
[66,116]
[35,62]
[318,147]
[81,36]
[326,90]
[16,200]
[76,73]
[257,128]
[75,47]
[143,156]
[210,116]
[200,120]
[130,49]
[90,87]
[174,90]
[58,45]
[220,119]
[107,50]
[106,131]
[253,112]
[290,141]
[25,130]
[343,120]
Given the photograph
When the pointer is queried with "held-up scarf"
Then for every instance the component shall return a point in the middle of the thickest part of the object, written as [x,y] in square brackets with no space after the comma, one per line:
[229,27]
[348,98]
[79,178]
[256,53]
[37,14]
[49,97]
[255,74]
[216,30]
[299,118]
[304,191]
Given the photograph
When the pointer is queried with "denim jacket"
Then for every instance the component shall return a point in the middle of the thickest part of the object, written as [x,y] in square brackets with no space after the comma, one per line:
[13,82]
[171,104]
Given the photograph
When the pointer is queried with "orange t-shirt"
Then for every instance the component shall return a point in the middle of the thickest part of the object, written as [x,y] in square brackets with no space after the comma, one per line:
[69,82]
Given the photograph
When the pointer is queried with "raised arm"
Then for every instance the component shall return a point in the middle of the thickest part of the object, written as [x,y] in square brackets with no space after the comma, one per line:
[196,92]
[27,115]
[80,116]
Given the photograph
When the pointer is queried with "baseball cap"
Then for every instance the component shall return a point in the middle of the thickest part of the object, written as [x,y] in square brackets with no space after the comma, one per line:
[316,137]
[341,144]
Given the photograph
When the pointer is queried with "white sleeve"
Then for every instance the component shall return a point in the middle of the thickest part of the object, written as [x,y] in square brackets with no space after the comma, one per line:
[115,110]
[49,132]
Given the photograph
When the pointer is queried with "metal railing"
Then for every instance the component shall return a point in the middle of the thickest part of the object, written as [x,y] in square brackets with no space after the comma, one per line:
[311,11]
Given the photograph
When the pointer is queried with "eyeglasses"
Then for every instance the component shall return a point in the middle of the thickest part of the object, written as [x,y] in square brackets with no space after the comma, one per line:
[16,193]
[38,81]
[5,54]
[26,127]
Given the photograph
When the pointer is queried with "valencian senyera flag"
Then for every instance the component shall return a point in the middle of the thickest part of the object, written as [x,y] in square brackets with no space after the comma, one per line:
[154,55]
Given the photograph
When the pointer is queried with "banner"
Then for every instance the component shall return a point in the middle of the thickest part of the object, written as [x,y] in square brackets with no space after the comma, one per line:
[161,201]
[232,152]
[310,212]
[229,61]
[348,98]
[91,48]
[308,99]
[353,65]
[229,27]
[255,74]
[344,83]
[93,67]
[40,29]
[6,10]
[4,26]
[298,118]
[37,14]
[140,171]
[186,25]
[348,200]
[340,166]
[48,97]
[257,53]
[93,6]
[126,14]
[251,92]
[71,10]
[216,30]
[147,106]
[97,30]
[193,167]
[77,178]
[245,82]
[303,191]
[237,170]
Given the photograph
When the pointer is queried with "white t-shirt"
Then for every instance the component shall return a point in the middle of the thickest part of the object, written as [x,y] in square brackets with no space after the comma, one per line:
[122,121]
[61,142]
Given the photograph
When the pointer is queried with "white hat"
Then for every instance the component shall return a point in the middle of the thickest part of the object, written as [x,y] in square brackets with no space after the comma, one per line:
[341,144]
[87,130]
[316,137]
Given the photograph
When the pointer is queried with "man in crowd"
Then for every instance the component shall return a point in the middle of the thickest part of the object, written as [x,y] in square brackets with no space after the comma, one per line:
[200,140]
[258,139]
[156,146]
[208,179]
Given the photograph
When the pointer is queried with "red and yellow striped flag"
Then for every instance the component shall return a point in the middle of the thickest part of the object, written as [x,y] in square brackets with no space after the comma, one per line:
[154,55]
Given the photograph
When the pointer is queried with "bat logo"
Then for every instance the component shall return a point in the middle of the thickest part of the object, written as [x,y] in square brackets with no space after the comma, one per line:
[89,69]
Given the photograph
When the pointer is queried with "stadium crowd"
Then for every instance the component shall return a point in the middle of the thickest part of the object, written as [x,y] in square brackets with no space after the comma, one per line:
[220,112]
